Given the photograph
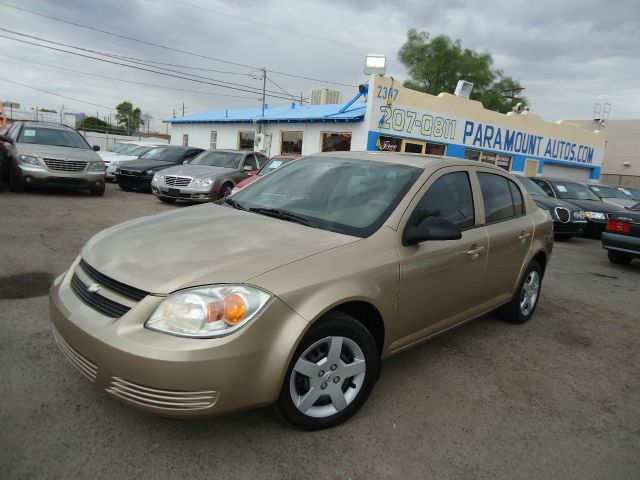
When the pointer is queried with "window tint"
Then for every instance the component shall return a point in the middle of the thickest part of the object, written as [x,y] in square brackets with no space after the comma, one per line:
[544,186]
[450,198]
[251,161]
[497,196]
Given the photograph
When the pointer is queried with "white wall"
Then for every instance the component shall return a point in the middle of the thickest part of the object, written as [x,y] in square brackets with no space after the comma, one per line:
[200,134]
[107,140]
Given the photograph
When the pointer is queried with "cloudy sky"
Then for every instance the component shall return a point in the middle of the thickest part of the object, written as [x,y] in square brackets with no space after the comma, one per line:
[567,54]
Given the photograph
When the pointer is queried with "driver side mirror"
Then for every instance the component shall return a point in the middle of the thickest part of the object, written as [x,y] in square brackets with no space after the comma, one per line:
[6,138]
[96,148]
[431,228]
[247,168]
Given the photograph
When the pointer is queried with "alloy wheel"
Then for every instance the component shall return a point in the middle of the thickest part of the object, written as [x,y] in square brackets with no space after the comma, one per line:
[530,292]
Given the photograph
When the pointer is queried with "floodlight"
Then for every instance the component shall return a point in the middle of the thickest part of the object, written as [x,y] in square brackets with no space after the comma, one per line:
[375,64]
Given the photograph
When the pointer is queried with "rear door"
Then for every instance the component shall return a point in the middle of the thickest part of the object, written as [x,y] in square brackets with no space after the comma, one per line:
[441,282]
[510,232]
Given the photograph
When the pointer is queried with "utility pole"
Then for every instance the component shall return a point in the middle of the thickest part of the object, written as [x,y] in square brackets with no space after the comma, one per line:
[183,109]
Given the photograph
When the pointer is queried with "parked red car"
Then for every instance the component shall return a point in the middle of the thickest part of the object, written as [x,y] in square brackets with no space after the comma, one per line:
[276,162]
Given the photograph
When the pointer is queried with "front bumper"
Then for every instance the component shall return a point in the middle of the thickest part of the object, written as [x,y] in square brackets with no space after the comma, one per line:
[621,243]
[569,228]
[183,193]
[135,182]
[174,376]
[43,177]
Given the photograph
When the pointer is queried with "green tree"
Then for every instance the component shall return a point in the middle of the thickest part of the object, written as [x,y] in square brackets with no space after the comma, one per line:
[93,123]
[128,117]
[436,64]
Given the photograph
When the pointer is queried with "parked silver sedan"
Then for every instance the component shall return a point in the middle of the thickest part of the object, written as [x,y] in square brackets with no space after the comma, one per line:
[210,176]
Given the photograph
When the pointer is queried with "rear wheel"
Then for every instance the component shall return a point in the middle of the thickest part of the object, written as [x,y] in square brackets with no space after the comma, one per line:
[331,374]
[619,258]
[524,303]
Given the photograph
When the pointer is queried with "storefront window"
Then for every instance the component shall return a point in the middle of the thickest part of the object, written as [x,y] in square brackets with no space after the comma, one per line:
[436,148]
[503,161]
[291,142]
[245,140]
[389,144]
[336,142]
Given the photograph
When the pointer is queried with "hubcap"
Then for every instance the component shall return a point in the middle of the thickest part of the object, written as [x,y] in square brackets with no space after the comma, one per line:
[327,377]
[529,294]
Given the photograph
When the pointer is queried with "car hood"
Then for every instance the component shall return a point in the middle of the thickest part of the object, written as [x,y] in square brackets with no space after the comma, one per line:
[53,151]
[247,181]
[620,202]
[141,165]
[550,202]
[202,245]
[593,205]
[198,171]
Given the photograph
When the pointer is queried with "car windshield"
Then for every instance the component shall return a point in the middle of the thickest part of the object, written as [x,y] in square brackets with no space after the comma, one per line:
[138,151]
[52,136]
[118,147]
[574,191]
[218,159]
[164,154]
[532,187]
[272,164]
[608,192]
[632,193]
[347,196]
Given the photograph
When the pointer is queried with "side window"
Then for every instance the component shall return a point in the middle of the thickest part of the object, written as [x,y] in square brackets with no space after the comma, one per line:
[191,153]
[14,132]
[496,194]
[516,196]
[450,198]
[544,186]
[261,160]
[251,161]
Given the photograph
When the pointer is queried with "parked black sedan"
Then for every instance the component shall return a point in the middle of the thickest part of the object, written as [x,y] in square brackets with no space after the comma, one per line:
[621,238]
[568,220]
[137,174]
[595,210]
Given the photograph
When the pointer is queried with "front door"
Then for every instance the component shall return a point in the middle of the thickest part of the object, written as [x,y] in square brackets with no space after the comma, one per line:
[531,167]
[441,281]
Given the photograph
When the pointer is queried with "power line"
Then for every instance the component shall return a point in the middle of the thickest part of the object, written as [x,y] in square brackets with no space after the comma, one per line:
[271,81]
[157,45]
[111,55]
[55,94]
[128,81]
[140,68]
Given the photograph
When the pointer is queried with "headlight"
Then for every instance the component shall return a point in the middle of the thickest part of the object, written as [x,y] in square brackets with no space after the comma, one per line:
[207,182]
[149,172]
[206,312]
[29,159]
[157,178]
[579,215]
[96,166]
[116,163]
[596,215]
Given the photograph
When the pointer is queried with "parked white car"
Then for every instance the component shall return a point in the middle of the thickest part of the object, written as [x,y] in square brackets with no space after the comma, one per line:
[127,155]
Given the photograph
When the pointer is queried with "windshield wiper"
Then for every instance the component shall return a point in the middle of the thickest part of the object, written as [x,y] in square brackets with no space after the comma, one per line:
[234,204]
[282,215]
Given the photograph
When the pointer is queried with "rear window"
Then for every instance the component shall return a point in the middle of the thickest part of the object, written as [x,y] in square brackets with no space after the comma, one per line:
[502,197]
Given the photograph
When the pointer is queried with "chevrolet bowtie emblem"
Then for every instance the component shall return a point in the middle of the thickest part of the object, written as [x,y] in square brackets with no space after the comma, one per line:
[94,287]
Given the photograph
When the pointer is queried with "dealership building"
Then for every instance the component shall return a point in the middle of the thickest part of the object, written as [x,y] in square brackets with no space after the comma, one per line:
[386,116]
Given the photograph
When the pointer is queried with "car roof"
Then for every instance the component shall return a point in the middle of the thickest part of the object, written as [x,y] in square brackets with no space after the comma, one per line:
[411,159]
[563,180]
[175,147]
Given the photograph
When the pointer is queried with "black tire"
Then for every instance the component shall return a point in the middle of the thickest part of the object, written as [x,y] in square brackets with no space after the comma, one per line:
[351,332]
[15,183]
[225,191]
[97,191]
[514,312]
[619,258]
[167,199]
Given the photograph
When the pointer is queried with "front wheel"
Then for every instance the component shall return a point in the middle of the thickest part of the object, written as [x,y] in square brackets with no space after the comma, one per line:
[98,190]
[524,303]
[15,183]
[331,374]
[225,191]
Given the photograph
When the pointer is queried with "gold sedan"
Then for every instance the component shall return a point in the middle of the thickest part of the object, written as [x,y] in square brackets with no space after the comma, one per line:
[293,290]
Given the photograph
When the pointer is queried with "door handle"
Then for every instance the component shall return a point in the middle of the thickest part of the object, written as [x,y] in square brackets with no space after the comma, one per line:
[474,252]
[524,236]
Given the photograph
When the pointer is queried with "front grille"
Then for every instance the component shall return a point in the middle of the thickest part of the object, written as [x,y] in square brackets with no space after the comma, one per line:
[131,173]
[164,399]
[65,165]
[563,214]
[177,181]
[86,368]
[118,287]
[96,301]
